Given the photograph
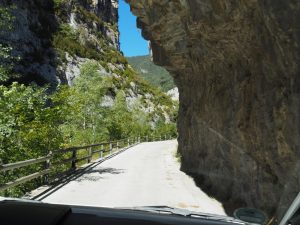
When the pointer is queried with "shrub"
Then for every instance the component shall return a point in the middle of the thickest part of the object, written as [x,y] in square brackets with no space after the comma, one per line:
[88,16]
[29,128]
[66,40]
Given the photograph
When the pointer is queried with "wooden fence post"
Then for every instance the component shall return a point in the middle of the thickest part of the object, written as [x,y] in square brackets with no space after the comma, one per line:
[101,153]
[110,148]
[74,155]
[117,145]
[128,143]
[47,166]
[89,154]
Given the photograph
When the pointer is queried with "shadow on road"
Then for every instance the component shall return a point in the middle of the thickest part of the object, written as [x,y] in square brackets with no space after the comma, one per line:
[78,174]
[95,174]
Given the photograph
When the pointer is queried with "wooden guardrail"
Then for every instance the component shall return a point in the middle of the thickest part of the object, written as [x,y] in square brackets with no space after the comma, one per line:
[103,149]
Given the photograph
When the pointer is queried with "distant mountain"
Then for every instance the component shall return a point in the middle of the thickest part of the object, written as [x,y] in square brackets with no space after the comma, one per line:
[154,74]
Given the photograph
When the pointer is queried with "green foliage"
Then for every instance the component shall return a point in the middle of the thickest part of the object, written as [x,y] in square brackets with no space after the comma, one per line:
[115,57]
[114,27]
[61,9]
[85,124]
[6,58]
[59,3]
[6,19]
[163,128]
[67,40]
[88,16]
[120,119]
[5,65]
[158,97]
[155,75]
[89,121]
[34,122]
[29,127]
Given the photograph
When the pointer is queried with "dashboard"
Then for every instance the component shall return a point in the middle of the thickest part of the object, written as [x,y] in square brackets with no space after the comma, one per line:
[37,213]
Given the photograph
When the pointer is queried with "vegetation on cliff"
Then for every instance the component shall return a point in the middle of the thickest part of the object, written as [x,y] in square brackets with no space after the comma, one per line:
[155,75]
[35,120]
[32,122]
[6,58]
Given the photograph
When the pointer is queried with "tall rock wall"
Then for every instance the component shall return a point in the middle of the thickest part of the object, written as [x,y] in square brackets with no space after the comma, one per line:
[236,64]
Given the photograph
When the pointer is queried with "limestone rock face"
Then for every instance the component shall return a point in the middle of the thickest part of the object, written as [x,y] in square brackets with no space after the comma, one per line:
[236,65]
[36,24]
[55,39]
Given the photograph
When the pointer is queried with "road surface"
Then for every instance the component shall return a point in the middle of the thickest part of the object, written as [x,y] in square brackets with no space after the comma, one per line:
[145,175]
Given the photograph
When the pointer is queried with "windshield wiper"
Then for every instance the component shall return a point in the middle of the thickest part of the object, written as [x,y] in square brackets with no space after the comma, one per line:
[186,213]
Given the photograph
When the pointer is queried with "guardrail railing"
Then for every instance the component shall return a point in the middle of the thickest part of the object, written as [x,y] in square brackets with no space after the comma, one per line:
[55,158]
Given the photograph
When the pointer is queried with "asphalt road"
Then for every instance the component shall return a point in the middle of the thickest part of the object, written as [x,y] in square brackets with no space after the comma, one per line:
[145,175]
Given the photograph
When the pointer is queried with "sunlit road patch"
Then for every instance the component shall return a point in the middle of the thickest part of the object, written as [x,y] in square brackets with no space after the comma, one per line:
[145,175]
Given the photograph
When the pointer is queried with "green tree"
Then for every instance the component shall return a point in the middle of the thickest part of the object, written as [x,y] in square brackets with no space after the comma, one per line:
[120,118]
[6,22]
[141,123]
[85,125]
[30,123]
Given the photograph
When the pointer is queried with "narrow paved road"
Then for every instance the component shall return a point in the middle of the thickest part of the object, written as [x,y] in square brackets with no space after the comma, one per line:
[147,174]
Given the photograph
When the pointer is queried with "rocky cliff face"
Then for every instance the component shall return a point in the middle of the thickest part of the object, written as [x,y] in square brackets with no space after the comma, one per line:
[31,39]
[236,64]
[52,38]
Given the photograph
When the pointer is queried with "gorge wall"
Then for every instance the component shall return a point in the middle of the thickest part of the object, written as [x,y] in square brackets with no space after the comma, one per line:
[52,38]
[236,64]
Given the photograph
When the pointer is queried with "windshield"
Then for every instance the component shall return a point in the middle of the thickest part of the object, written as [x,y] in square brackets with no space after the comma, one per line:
[189,105]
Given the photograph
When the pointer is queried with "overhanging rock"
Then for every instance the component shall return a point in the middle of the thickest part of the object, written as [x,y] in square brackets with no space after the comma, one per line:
[236,64]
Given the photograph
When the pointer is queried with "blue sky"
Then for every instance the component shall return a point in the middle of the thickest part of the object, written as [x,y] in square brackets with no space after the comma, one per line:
[131,40]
